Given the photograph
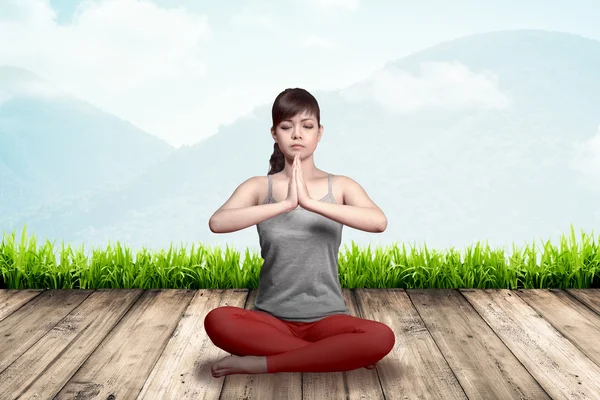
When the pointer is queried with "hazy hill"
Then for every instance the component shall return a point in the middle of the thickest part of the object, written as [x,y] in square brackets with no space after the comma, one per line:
[53,145]
[446,173]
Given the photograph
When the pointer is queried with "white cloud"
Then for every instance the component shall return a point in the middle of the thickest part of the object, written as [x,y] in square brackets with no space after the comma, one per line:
[128,57]
[351,5]
[317,41]
[248,18]
[117,44]
[146,64]
[34,12]
[448,85]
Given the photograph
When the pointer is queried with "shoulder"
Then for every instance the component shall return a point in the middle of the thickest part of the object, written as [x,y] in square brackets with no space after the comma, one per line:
[259,185]
[344,181]
[353,193]
[258,181]
[254,181]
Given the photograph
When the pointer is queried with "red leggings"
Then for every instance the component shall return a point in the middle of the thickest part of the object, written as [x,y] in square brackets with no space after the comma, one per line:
[336,343]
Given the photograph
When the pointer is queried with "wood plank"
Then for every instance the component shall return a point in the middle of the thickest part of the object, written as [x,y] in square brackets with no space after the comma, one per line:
[571,318]
[280,386]
[13,299]
[51,347]
[45,367]
[183,370]
[415,368]
[589,297]
[484,366]
[557,364]
[121,364]
[23,328]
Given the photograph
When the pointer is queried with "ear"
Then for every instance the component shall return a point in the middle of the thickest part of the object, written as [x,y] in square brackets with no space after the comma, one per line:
[321,128]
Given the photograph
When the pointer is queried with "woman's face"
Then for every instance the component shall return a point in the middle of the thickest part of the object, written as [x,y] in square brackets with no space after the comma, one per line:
[301,129]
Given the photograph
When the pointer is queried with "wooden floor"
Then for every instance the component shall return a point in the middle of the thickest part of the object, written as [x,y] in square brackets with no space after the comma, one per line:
[450,344]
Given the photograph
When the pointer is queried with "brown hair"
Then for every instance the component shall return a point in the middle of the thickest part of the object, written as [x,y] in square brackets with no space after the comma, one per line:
[287,104]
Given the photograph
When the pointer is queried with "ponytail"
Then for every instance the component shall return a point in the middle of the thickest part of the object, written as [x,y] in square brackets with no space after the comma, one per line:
[277,161]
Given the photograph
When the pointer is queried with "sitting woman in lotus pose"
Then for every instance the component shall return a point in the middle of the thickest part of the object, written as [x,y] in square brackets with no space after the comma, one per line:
[300,322]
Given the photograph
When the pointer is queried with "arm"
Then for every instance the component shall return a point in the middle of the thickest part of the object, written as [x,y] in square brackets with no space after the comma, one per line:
[358,210]
[242,209]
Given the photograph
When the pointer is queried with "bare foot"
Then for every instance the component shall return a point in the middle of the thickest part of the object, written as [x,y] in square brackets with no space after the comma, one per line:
[239,365]
[371,366]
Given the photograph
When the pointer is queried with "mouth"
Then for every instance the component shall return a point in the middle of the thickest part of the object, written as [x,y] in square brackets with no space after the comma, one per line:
[297,146]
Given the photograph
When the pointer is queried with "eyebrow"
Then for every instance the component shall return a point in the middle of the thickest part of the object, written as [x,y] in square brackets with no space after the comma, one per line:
[305,119]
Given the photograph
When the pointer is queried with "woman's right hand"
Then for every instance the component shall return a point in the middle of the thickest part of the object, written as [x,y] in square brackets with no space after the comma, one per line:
[292,197]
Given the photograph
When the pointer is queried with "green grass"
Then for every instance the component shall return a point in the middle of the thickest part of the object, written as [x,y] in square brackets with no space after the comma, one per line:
[567,265]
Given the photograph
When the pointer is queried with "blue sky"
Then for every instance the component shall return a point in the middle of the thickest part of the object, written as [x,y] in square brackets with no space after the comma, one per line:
[179,69]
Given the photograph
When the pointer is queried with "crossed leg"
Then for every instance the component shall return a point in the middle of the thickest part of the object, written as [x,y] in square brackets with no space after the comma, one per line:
[261,343]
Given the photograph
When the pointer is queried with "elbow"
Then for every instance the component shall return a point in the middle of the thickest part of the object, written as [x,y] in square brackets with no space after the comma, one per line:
[211,225]
[382,225]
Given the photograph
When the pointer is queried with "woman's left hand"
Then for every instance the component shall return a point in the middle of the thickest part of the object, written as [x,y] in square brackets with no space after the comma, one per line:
[304,198]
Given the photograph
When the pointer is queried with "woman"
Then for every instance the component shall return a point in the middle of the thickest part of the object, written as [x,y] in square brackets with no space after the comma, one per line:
[300,322]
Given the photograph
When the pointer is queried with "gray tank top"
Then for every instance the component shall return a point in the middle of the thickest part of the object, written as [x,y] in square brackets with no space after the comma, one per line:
[299,277]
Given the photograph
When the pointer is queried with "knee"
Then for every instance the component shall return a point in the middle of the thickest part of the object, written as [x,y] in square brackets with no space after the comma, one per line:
[383,339]
[218,317]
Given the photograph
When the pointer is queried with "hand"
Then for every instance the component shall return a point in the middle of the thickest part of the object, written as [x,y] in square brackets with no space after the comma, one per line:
[304,198]
[292,196]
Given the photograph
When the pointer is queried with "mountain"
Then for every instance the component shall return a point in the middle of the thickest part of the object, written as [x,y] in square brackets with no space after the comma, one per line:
[473,139]
[53,145]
